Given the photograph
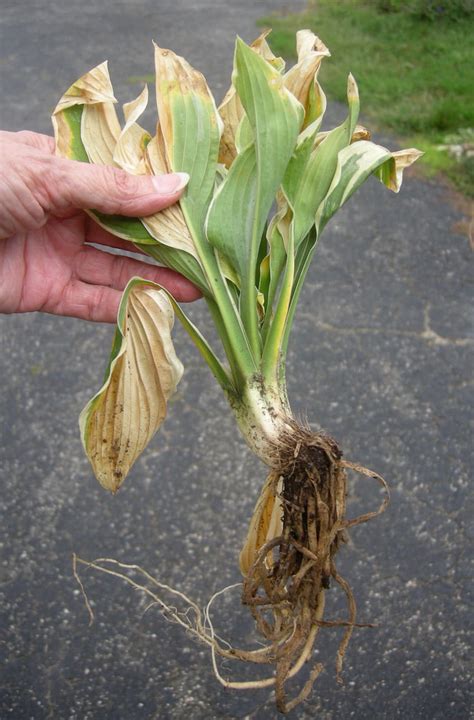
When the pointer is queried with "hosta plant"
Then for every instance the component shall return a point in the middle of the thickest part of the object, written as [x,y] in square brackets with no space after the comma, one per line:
[265,180]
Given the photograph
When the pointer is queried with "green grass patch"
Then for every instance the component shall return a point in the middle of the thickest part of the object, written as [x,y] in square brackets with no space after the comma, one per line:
[139,79]
[415,77]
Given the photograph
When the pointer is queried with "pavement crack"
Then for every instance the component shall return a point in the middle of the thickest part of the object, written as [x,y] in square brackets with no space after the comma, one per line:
[427,334]
[432,337]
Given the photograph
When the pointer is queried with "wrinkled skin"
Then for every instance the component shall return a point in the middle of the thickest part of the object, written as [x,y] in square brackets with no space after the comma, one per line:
[47,261]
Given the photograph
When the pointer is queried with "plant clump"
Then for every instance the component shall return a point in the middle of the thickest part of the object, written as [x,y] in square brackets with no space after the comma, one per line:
[265,180]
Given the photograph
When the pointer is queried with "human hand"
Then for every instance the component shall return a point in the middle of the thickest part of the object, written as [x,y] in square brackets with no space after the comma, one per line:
[47,262]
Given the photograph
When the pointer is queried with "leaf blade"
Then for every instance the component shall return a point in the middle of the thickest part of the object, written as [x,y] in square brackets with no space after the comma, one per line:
[275,117]
[122,417]
[305,189]
[191,129]
[129,152]
[231,109]
[355,163]
[167,227]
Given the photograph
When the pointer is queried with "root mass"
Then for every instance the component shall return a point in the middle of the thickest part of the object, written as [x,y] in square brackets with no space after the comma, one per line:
[288,563]
[285,585]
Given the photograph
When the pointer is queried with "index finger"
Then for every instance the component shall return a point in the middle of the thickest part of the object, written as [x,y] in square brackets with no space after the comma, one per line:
[33,139]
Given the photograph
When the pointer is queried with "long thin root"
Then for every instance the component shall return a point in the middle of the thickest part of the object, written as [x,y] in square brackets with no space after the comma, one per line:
[285,584]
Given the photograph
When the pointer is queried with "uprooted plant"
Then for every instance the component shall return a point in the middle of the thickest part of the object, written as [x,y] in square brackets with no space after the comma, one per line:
[261,152]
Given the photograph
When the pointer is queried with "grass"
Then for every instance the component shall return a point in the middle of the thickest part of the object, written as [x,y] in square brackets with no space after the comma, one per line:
[415,77]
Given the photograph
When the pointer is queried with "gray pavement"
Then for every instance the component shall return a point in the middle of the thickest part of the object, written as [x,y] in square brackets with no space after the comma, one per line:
[381,358]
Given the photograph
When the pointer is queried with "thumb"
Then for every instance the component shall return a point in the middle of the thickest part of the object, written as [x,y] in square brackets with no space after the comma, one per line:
[112,190]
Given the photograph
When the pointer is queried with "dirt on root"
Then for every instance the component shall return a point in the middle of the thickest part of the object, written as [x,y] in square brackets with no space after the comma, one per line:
[286,585]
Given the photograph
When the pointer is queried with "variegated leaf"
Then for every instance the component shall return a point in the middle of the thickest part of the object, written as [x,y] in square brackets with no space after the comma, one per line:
[306,188]
[90,133]
[191,129]
[355,163]
[391,174]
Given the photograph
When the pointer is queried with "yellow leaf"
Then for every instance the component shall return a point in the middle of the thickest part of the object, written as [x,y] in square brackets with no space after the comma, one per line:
[100,131]
[231,112]
[168,226]
[261,46]
[403,159]
[93,87]
[174,75]
[100,128]
[266,523]
[130,149]
[156,159]
[301,79]
[120,420]
[360,133]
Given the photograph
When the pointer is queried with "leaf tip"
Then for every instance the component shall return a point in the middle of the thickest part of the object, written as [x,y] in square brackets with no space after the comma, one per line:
[352,89]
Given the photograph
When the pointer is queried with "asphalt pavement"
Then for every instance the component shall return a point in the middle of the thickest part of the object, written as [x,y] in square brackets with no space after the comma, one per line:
[381,358]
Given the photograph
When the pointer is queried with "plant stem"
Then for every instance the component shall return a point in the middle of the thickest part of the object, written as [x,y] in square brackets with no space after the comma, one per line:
[271,297]
[204,348]
[271,357]
[264,418]
[237,376]
[235,342]
[302,271]
[249,291]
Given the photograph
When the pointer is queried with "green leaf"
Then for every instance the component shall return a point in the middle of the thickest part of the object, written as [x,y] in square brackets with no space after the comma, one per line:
[182,262]
[229,225]
[306,188]
[191,128]
[275,118]
[235,135]
[127,228]
[305,185]
[354,164]
[298,166]
[277,237]
[244,135]
[264,280]
[204,348]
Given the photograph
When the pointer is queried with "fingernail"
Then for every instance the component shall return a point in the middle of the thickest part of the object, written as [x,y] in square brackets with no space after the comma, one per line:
[174,182]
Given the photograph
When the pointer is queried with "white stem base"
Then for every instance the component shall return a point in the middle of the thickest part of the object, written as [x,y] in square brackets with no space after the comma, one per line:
[264,418]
